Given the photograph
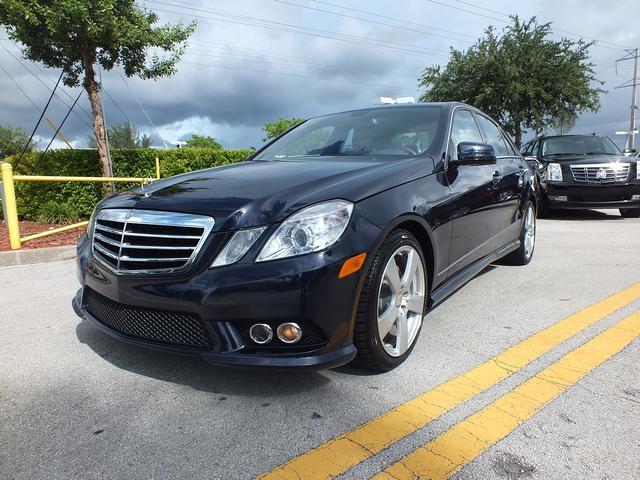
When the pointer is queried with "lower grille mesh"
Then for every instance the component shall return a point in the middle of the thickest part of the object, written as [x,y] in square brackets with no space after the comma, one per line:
[172,328]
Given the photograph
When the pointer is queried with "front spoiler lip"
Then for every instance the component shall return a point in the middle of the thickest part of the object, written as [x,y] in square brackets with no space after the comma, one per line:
[321,361]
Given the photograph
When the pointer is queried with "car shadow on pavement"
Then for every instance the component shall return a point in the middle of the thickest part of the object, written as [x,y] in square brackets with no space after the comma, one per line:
[194,372]
[580,215]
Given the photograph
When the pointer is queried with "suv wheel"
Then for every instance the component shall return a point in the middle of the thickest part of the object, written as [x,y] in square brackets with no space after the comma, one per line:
[392,303]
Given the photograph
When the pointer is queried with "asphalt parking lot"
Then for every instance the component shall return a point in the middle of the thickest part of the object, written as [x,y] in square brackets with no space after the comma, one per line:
[75,403]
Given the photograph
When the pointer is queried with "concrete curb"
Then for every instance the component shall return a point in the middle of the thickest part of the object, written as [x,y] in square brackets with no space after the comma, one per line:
[36,255]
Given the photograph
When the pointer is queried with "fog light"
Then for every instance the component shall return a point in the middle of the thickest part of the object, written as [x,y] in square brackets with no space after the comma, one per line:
[635,197]
[261,333]
[289,333]
[558,198]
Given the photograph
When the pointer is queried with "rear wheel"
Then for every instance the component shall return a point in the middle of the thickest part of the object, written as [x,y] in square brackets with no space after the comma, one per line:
[630,212]
[392,303]
[524,253]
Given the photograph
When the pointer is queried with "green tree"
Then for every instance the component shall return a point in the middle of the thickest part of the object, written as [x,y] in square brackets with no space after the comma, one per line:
[124,135]
[563,123]
[12,141]
[77,35]
[202,141]
[273,129]
[521,77]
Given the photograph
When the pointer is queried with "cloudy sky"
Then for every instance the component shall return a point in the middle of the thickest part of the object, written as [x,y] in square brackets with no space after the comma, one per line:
[252,61]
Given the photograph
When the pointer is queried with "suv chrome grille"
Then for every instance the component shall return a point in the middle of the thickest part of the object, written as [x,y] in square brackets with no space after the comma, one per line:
[600,173]
[146,241]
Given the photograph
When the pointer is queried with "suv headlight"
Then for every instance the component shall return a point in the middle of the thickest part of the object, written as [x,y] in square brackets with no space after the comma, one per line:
[310,230]
[554,172]
[239,244]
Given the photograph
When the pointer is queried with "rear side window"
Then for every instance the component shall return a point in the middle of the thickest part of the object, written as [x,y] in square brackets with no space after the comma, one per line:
[494,137]
[464,129]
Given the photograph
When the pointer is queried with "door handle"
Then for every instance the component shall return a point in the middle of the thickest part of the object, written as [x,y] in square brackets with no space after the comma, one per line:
[497,176]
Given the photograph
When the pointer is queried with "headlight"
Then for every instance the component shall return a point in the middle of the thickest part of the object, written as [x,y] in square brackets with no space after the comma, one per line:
[554,172]
[235,248]
[310,230]
[638,171]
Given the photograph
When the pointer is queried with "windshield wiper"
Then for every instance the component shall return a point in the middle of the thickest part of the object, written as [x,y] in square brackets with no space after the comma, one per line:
[599,153]
[561,154]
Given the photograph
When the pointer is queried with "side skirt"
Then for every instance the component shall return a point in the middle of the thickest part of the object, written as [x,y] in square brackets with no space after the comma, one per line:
[452,284]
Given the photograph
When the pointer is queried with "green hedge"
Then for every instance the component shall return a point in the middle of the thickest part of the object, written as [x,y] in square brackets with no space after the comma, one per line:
[62,202]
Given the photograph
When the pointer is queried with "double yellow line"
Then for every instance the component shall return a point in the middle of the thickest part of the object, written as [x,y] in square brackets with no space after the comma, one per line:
[468,439]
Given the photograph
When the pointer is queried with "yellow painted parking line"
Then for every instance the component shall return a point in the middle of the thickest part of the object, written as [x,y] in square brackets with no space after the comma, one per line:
[349,449]
[449,452]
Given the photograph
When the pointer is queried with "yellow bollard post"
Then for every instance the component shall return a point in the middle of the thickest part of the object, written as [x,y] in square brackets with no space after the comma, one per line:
[10,208]
[157,167]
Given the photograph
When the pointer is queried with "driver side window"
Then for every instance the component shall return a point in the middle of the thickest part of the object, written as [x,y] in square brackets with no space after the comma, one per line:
[463,129]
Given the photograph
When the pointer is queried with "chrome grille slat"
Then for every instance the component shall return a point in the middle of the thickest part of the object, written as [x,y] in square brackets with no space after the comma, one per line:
[130,241]
[126,258]
[600,173]
[104,251]
[135,234]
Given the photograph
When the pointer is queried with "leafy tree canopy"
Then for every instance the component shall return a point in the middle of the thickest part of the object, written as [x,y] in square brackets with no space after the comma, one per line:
[77,35]
[521,77]
[273,129]
[201,141]
[124,135]
[12,141]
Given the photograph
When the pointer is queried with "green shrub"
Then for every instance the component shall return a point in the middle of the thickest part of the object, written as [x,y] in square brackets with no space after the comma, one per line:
[57,212]
[32,197]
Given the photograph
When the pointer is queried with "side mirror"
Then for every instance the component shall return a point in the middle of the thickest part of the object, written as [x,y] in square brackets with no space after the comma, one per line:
[470,153]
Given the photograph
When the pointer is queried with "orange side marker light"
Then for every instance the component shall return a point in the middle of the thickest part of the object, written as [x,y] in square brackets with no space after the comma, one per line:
[352,265]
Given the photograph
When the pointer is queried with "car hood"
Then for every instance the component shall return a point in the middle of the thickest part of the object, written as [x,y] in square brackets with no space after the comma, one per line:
[585,160]
[254,193]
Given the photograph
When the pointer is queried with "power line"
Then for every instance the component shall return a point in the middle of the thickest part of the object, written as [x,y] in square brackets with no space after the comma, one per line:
[57,131]
[43,83]
[290,28]
[393,18]
[19,87]
[371,21]
[38,122]
[297,75]
[255,58]
[599,43]
[144,111]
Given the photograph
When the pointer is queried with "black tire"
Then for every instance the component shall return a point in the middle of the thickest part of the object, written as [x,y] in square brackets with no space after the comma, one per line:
[371,352]
[521,256]
[630,212]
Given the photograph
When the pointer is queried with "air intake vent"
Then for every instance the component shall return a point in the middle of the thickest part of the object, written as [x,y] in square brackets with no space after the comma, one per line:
[144,241]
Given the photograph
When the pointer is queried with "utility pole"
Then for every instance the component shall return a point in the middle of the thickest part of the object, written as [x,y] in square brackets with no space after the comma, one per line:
[633,83]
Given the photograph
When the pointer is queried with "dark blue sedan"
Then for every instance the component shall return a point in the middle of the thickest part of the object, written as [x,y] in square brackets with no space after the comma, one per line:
[328,245]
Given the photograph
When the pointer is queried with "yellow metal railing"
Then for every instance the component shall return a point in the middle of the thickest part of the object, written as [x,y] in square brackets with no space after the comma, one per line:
[11,209]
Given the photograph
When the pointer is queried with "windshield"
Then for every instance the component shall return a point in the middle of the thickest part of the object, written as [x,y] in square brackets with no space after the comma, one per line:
[404,131]
[578,145]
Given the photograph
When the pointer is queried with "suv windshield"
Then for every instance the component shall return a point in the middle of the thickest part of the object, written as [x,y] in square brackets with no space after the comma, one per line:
[578,145]
[395,131]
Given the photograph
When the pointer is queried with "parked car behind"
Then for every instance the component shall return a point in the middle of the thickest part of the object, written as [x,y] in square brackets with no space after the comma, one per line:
[584,171]
[329,244]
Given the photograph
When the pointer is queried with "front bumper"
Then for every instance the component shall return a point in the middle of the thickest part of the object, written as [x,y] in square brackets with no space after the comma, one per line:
[601,196]
[226,301]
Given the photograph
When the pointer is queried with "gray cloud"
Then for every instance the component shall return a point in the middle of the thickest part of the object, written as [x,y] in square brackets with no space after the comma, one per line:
[236,77]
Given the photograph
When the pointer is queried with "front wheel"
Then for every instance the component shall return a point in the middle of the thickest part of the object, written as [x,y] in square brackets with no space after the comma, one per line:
[524,253]
[392,303]
[630,212]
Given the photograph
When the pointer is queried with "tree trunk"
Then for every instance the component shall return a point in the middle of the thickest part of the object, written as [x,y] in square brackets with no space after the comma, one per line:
[518,134]
[93,90]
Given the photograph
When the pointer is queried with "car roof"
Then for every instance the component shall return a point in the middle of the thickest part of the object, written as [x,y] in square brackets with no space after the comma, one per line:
[447,105]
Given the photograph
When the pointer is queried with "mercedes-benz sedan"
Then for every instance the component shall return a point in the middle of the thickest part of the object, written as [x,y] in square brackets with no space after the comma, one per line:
[327,245]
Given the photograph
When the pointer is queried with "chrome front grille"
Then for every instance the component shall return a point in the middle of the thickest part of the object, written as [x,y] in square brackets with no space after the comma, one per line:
[600,173]
[146,241]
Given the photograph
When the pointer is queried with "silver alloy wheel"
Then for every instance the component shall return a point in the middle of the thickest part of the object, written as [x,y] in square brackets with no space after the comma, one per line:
[529,232]
[401,300]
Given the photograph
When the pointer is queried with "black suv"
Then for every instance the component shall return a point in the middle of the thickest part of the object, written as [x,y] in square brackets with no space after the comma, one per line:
[584,171]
